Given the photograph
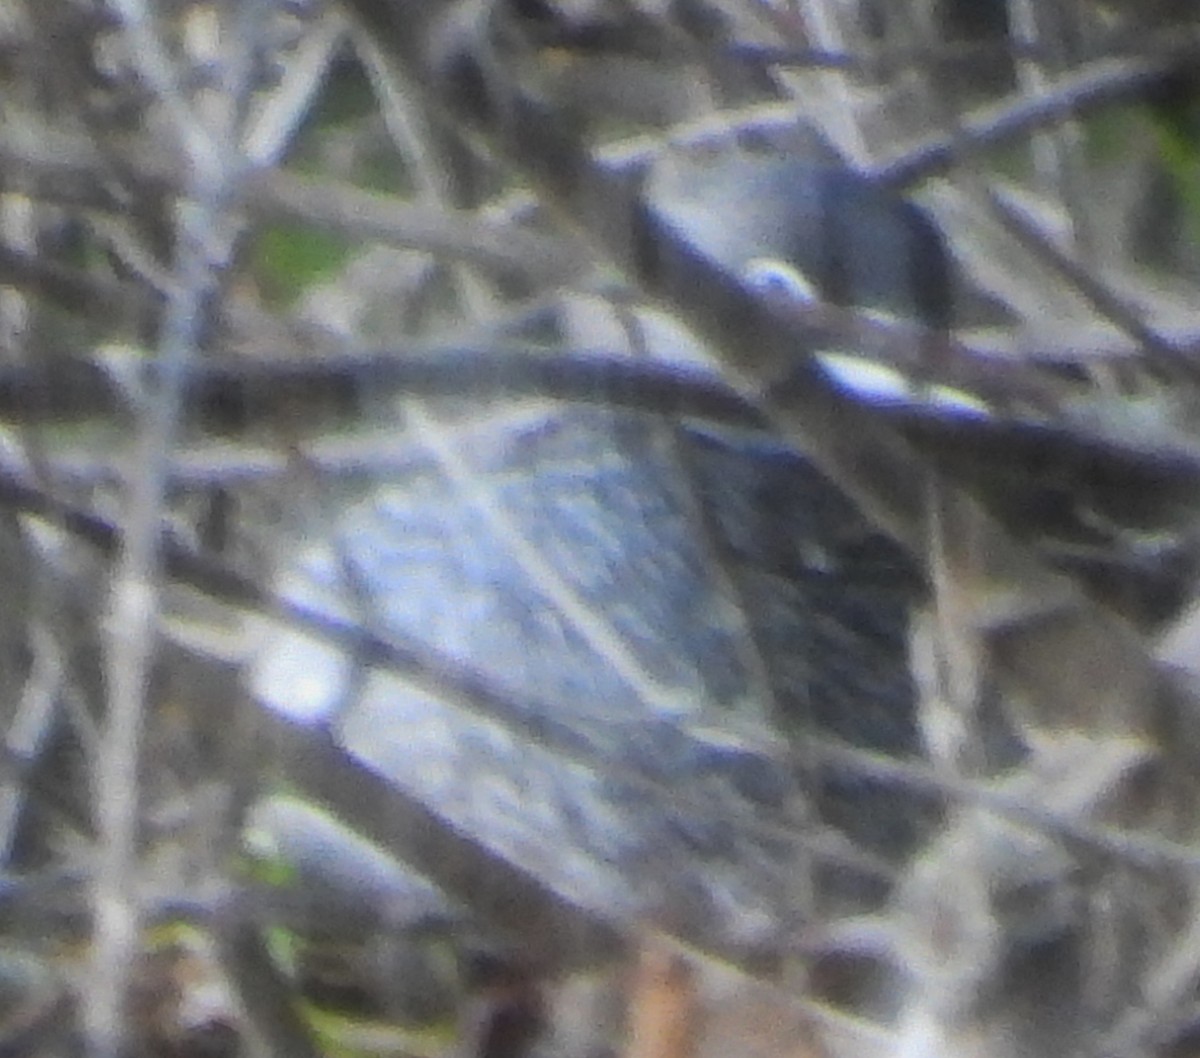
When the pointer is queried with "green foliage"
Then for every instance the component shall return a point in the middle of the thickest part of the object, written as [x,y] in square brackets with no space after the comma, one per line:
[1177,129]
[289,259]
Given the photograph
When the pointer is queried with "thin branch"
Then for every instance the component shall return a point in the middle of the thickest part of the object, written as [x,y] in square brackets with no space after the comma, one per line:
[234,397]
[1160,352]
[1135,848]
[355,214]
[133,611]
[67,170]
[1070,96]
[265,995]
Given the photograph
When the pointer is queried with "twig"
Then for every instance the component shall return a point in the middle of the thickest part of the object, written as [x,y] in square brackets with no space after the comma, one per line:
[308,394]
[266,997]
[1159,351]
[64,169]
[356,214]
[133,609]
[1070,96]
[1138,849]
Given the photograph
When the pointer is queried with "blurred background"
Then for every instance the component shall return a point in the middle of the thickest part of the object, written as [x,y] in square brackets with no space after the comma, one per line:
[650,528]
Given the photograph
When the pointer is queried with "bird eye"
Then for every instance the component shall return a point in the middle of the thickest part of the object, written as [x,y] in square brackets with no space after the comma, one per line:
[777,278]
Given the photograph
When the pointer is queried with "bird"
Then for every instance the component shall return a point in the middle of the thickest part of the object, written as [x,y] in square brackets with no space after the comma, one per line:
[814,225]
